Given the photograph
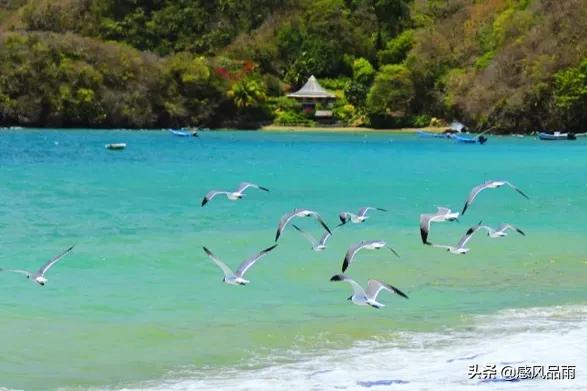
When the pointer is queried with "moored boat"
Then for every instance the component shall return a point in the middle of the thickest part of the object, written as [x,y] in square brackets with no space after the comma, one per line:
[423,133]
[554,136]
[469,139]
[180,133]
[116,146]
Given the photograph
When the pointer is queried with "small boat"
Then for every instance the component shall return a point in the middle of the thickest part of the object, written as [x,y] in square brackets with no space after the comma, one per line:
[469,139]
[180,133]
[116,146]
[425,134]
[547,136]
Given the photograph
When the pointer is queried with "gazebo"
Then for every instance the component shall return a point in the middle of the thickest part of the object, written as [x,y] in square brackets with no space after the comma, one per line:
[312,93]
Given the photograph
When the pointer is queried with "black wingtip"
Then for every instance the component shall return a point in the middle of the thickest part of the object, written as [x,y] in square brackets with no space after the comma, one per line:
[264,189]
[402,294]
[520,232]
[326,228]
[424,236]
[277,235]
[393,251]
[337,277]
[465,208]
[269,248]
[206,250]
[382,210]
[204,201]
[345,265]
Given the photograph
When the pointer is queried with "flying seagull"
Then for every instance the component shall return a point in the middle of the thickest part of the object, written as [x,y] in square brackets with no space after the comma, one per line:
[501,231]
[237,278]
[39,276]
[232,195]
[488,185]
[286,218]
[367,245]
[460,247]
[316,245]
[369,297]
[442,214]
[361,216]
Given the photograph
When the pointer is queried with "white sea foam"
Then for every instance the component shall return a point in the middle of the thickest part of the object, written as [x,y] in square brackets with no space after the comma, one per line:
[420,361]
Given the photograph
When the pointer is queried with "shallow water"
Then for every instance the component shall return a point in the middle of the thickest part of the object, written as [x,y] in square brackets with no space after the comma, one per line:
[138,305]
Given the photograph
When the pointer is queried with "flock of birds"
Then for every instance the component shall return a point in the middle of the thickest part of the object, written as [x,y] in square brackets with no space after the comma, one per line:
[360,296]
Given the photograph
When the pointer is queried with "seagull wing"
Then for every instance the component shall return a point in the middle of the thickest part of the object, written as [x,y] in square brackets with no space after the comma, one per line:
[54,260]
[516,189]
[211,194]
[425,227]
[344,218]
[505,227]
[357,289]
[321,221]
[26,273]
[309,237]
[393,251]
[375,286]
[363,211]
[350,254]
[441,210]
[473,194]
[488,229]
[245,185]
[242,269]
[444,246]
[225,269]
[324,238]
[285,219]
[468,235]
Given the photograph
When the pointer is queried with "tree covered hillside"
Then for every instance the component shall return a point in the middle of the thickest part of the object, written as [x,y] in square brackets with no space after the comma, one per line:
[509,65]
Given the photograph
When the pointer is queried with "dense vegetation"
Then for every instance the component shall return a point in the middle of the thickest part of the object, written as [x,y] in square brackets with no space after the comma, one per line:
[509,65]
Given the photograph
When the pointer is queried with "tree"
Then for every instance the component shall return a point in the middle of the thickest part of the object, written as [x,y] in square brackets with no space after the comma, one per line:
[391,92]
[247,93]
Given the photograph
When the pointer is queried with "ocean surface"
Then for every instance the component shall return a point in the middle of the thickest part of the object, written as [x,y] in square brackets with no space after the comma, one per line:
[138,306]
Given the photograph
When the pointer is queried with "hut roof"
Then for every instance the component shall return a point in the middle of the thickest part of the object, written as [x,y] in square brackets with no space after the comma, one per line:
[312,89]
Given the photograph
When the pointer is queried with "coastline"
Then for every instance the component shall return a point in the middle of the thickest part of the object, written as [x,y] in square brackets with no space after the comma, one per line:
[346,129]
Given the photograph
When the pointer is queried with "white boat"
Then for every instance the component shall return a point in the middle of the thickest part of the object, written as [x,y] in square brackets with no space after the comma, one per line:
[116,146]
[556,136]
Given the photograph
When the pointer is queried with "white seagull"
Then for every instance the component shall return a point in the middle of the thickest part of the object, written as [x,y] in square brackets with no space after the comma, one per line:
[360,217]
[367,245]
[232,195]
[369,297]
[442,214]
[460,247]
[488,185]
[501,231]
[286,218]
[39,276]
[237,278]
[316,245]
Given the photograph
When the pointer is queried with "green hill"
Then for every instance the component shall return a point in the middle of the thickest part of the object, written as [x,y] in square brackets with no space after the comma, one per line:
[509,65]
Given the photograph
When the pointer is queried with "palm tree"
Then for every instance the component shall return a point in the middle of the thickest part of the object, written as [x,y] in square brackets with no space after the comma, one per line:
[247,93]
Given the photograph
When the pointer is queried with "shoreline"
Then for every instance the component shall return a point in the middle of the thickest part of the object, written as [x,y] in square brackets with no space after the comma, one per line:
[268,129]
[345,129]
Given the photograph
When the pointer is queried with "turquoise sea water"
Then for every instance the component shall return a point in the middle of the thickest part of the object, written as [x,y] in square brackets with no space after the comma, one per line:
[138,305]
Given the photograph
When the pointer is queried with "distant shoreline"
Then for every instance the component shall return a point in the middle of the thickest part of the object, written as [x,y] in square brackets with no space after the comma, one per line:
[345,129]
[268,128]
